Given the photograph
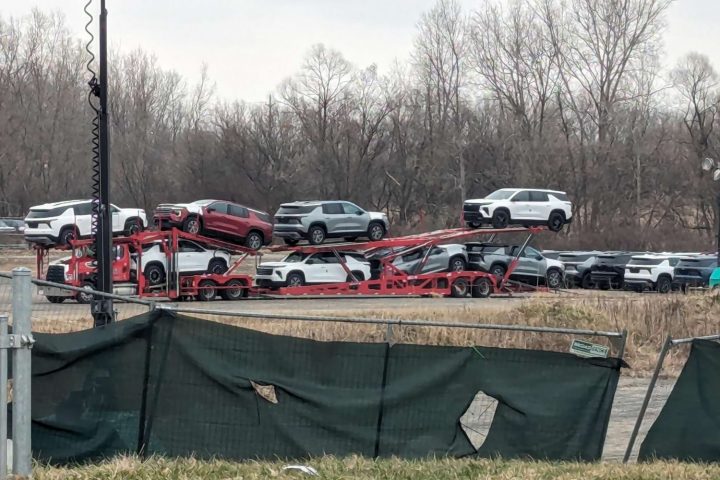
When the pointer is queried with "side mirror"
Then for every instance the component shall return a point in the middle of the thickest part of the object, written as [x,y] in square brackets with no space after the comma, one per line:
[359,212]
[539,257]
[210,210]
[310,262]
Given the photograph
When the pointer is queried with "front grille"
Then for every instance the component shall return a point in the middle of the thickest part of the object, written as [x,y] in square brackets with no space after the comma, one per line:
[264,271]
[164,209]
[469,207]
[56,273]
[33,224]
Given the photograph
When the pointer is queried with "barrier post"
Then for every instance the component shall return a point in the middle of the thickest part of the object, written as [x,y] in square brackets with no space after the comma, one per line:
[21,341]
[3,397]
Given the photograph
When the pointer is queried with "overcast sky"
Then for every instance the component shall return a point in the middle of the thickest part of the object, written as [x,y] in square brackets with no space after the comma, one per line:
[250,46]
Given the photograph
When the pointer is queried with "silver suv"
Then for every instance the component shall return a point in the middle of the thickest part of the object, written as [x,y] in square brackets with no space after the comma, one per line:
[315,221]
[532,268]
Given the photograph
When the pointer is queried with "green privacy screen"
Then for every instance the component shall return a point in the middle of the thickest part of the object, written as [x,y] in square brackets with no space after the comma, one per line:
[688,427]
[163,384]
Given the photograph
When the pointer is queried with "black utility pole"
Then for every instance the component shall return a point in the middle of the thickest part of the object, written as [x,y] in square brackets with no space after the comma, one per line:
[102,307]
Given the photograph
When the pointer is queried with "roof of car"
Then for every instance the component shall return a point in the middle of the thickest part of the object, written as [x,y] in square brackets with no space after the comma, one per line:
[309,203]
[534,189]
[64,203]
[653,256]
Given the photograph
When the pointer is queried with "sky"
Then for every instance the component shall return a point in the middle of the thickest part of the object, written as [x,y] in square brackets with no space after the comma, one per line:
[251,46]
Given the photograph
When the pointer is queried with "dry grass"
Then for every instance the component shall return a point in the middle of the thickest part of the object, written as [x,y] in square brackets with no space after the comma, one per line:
[647,318]
[359,468]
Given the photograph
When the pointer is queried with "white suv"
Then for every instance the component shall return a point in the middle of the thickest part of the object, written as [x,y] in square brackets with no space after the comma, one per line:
[59,223]
[192,258]
[513,206]
[655,272]
[299,269]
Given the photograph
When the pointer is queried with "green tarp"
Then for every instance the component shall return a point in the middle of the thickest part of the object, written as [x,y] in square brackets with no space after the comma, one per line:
[171,385]
[688,427]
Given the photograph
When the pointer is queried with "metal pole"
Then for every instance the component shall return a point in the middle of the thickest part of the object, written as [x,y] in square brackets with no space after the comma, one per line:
[717,200]
[3,398]
[103,307]
[646,401]
[22,372]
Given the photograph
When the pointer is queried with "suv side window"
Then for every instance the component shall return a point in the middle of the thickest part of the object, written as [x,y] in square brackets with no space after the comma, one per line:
[219,207]
[333,208]
[538,196]
[186,246]
[238,211]
[351,209]
[83,209]
[523,196]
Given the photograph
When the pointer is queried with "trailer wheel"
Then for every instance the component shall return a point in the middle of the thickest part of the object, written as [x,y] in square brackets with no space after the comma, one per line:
[56,299]
[482,288]
[234,290]
[207,290]
[459,288]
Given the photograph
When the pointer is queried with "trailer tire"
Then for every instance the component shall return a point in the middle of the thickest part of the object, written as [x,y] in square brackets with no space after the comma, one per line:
[55,299]
[234,293]
[459,288]
[192,224]
[85,298]
[207,290]
[154,274]
[217,266]
[482,288]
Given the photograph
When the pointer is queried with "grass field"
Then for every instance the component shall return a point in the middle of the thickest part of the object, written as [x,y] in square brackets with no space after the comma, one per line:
[358,468]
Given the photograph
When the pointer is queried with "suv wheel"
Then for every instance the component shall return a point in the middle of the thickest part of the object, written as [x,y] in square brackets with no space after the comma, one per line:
[132,227]
[663,285]
[192,225]
[217,266]
[67,235]
[556,221]
[316,235]
[154,274]
[500,219]
[498,270]
[86,297]
[376,232]
[457,264]
[473,224]
[254,241]
[295,279]
[554,279]
[290,241]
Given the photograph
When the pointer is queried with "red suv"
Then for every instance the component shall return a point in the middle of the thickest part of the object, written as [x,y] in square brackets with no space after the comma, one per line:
[218,218]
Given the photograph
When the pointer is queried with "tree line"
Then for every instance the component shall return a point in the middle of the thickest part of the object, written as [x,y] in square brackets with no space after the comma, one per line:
[567,95]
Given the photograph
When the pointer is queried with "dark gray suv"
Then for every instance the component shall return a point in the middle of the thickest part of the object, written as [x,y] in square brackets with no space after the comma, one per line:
[317,220]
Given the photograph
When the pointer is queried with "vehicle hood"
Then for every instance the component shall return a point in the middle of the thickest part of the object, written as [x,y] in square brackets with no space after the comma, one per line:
[278,264]
[378,216]
[180,206]
[479,201]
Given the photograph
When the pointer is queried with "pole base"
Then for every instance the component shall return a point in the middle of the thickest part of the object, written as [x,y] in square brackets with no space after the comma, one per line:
[102,311]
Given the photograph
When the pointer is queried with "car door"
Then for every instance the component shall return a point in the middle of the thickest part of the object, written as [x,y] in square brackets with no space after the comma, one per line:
[315,268]
[192,257]
[357,219]
[540,205]
[334,217]
[521,206]
[437,260]
[239,218]
[216,217]
[409,262]
[83,218]
[531,264]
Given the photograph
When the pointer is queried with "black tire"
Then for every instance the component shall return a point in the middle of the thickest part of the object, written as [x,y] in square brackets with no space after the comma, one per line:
[500,218]
[482,288]
[569,283]
[133,226]
[460,288]
[473,224]
[350,239]
[207,290]
[556,221]
[376,231]
[154,274]
[554,279]
[358,276]
[85,298]
[56,299]
[457,264]
[316,235]
[192,224]
[295,279]
[664,284]
[255,240]
[67,234]
[217,266]
[235,293]
[498,270]
[587,282]
[290,241]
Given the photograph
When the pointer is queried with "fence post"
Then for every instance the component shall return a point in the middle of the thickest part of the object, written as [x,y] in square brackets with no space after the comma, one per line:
[22,372]
[3,398]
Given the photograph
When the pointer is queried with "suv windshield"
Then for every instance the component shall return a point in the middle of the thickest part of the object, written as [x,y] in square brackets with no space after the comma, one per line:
[500,195]
[295,210]
[295,257]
